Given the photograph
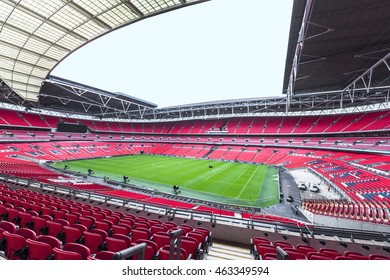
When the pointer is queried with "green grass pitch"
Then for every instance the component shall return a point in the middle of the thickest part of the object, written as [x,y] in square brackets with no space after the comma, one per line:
[226,182]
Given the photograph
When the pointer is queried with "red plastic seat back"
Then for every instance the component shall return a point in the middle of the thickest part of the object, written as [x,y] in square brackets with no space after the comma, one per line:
[330,252]
[198,236]
[66,255]
[115,244]
[305,249]
[164,253]
[72,234]
[260,240]
[93,241]
[55,229]
[14,245]
[140,233]
[377,257]
[121,229]
[114,219]
[127,222]
[161,239]
[25,220]
[72,218]
[102,224]
[27,233]
[151,248]
[104,255]
[50,240]
[141,224]
[318,256]
[38,250]
[78,248]
[13,215]
[283,244]
[263,249]
[87,222]
[294,254]
[190,245]
[8,226]
[39,225]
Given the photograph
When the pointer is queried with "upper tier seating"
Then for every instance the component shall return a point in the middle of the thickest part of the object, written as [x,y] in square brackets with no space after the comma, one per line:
[356,122]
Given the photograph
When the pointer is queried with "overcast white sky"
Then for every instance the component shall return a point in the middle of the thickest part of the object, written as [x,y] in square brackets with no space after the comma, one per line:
[222,49]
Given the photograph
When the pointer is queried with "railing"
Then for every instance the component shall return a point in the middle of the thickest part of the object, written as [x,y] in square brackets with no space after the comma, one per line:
[138,250]
[175,235]
[271,226]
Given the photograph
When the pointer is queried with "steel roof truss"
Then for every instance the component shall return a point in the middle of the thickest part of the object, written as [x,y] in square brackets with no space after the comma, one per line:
[125,105]
[366,78]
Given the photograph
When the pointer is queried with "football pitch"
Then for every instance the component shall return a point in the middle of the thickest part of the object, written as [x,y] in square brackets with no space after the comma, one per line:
[226,182]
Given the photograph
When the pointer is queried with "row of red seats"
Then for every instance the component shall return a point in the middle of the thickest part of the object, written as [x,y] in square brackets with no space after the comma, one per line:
[74,227]
[366,211]
[264,249]
[371,121]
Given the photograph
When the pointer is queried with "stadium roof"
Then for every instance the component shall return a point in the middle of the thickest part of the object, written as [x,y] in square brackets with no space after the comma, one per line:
[67,96]
[338,46]
[338,57]
[35,35]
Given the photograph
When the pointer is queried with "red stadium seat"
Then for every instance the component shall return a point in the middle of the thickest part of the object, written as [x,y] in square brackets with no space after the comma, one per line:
[294,254]
[116,245]
[78,248]
[104,255]
[150,251]
[282,244]
[87,222]
[50,240]
[140,233]
[25,220]
[330,252]
[94,241]
[164,253]
[378,257]
[318,256]
[72,235]
[55,229]
[13,216]
[26,233]
[8,226]
[60,254]
[39,225]
[104,225]
[262,249]
[38,250]
[161,239]
[355,255]
[191,246]
[157,228]
[14,245]
[121,229]
[305,248]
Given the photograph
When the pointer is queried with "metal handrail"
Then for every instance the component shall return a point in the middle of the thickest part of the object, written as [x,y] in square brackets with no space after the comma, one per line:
[138,250]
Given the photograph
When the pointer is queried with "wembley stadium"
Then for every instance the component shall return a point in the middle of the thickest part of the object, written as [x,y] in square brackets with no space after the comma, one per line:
[89,174]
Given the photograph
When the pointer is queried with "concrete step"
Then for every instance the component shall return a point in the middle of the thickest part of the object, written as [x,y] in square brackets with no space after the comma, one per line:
[228,252]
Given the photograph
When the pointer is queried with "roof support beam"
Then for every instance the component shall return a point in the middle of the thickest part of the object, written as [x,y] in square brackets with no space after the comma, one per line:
[24,63]
[133,8]
[40,39]
[30,52]
[87,14]
[183,1]
[367,77]
[20,7]
[19,73]
[298,51]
